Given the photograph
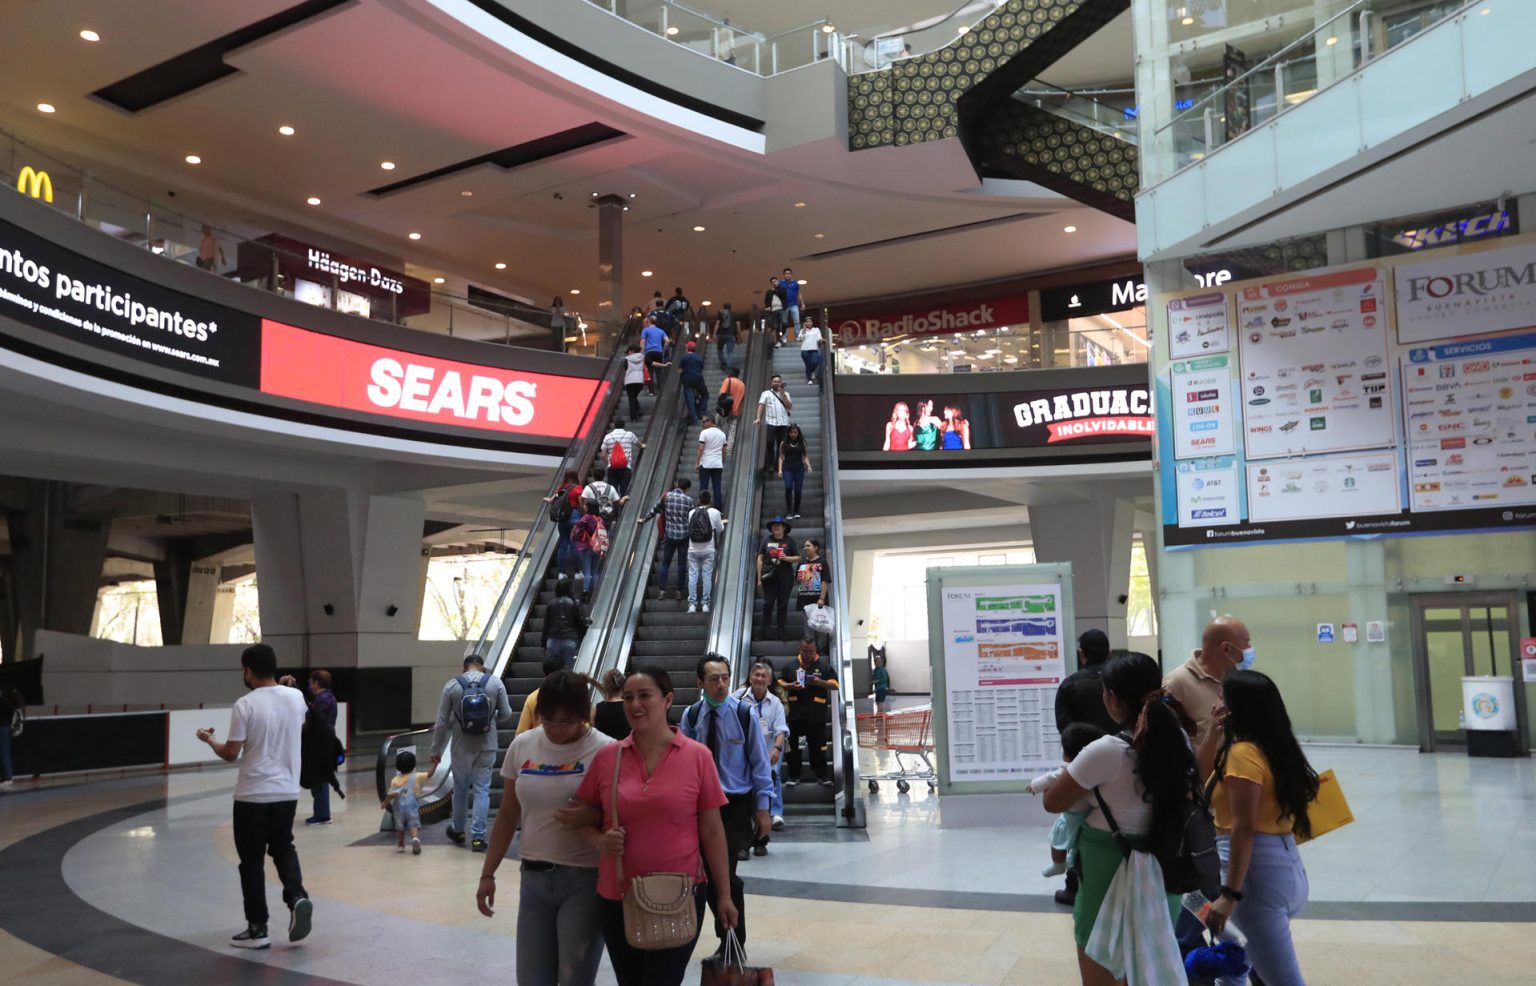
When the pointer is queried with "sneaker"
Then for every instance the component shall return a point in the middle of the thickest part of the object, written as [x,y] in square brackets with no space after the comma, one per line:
[400,847]
[1055,869]
[477,845]
[415,847]
[826,782]
[298,919]
[705,608]
[778,823]
[457,838]
[741,855]
[692,608]
[252,937]
[317,821]
[791,781]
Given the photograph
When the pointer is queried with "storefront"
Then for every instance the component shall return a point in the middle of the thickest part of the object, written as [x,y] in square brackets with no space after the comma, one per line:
[326,279]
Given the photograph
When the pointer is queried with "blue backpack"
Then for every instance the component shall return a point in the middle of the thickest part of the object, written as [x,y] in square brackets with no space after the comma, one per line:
[475,716]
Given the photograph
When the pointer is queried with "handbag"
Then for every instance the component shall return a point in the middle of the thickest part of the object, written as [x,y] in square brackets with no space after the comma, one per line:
[731,968]
[1329,810]
[658,907]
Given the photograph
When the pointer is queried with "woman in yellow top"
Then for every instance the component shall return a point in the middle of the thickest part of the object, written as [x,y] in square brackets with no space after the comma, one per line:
[1260,784]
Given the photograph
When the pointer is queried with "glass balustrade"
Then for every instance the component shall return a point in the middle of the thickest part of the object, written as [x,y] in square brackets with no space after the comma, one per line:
[1108,110]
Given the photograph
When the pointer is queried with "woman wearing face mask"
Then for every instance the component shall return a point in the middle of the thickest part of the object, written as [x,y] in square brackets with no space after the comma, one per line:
[1260,784]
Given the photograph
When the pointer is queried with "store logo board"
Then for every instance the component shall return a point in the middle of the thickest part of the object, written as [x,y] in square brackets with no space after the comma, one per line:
[1198,326]
[1466,294]
[73,297]
[336,372]
[1203,412]
[35,183]
[394,292]
[855,328]
[1208,493]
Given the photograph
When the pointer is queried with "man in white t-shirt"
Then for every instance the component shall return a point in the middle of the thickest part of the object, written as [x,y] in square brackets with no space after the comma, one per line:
[629,445]
[704,526]
[264,730]
[711,459]
[773,408]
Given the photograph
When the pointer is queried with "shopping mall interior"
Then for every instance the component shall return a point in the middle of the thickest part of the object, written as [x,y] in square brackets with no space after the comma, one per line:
[1198,331]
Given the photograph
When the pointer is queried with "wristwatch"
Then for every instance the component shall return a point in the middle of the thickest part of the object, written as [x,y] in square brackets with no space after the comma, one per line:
[1227,891]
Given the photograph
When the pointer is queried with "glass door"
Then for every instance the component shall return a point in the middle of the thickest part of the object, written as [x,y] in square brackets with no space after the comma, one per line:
[1457,635]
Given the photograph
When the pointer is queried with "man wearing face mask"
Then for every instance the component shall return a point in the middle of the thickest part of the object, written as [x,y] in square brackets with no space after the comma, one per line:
[1196,683]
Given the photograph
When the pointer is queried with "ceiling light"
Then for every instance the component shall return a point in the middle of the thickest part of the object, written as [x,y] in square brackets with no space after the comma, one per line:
[387,165]
[45,107]
[1331,41]
[1485,11]
[414,236]
[804,281]
[698,229]
[645,273]
[194,159]
[1069,229]
[963,28]
[439,280]
[828,28]
[671,32]
[626,208]
[799,205]
[703,304]
[89,35]
[575,291]
[594,195]
[1187,21]
[821,236]
[466,193]
[501,266]
[312,200]
[285,130]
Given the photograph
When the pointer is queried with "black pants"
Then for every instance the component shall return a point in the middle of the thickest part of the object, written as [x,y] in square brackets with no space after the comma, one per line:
[811,724]
[634,967]
[776,593]
[633,390]
[620,477]
[262,829]
[776,435]
[651,359]
[739,816]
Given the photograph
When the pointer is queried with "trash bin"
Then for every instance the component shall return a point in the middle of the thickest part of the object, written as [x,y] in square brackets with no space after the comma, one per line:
[1488,704]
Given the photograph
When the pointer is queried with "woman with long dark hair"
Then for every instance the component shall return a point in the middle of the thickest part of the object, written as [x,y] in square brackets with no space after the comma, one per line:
[1145,783]
[1260,786]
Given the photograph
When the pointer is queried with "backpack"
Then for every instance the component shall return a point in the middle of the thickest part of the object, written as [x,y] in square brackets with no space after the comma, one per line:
[600,540]
[603,494]
[617,457]
[581,534]
[663,320]
[560,509]
[474,705]
[1186,850]
[727,320]
[700,530]
[724,404]
[677,306]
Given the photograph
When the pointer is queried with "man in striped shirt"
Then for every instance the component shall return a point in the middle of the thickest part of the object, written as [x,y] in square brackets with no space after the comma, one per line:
[773,407]
[675,505]
[618,475]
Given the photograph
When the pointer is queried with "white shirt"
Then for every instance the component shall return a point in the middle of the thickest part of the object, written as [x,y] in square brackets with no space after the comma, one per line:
[774,411]
[810,338]
[712,443]
[705,547]
[634,368]
[624,437]
[546,776]
[1109,764]
[268,721]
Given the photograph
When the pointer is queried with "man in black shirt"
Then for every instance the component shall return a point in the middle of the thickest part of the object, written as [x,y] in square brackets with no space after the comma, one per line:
[1081,699]
[810,683]
[776,561]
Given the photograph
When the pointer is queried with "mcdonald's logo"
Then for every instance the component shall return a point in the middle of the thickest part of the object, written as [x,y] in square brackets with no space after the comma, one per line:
[35,183]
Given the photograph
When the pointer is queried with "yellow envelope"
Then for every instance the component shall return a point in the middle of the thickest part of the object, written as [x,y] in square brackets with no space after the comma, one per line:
[1329,811]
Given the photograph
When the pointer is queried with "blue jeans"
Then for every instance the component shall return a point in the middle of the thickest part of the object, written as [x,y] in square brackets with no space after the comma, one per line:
[565,552]
[559,927]
[776,803]
[673,548]
[322,796]
[794,483]
[695,400]
[726,347]
[701,569]
[709,479]
[564,648]
[1274,892]
[472,775]
[591,565]
[793,315]
[812,360]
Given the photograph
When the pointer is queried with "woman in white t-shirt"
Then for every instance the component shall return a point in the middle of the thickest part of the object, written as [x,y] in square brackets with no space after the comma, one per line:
[1144,783]
[558,923]
[810,350]
[634,379]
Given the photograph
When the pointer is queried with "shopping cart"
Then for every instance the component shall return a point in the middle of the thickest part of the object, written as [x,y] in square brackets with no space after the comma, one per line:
[906,733]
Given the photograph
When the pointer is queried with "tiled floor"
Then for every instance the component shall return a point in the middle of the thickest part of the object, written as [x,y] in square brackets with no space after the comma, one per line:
[1430,885]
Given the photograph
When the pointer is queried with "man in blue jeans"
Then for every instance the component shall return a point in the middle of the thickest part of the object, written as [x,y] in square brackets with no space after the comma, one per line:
[690,369]
[675,505]
[791,286]
[472,754]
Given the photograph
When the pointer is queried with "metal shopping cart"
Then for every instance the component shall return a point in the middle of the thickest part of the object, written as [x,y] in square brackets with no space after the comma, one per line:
[906,733]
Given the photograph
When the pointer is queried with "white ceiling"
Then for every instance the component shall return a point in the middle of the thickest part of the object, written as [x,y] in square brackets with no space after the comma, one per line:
[368,83]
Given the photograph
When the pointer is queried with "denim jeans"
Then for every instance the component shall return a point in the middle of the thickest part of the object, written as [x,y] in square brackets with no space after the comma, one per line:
[620,477]
[812,360]
[673,548]
[472,776]
[776,803]
[701,569]
[322,796]
[794,486]
[792,315]
[591,566]
[262,829]
[695,400]
[559,927]
[726,346]
[564,648]
[565,552]
[1274,892]
[709,479]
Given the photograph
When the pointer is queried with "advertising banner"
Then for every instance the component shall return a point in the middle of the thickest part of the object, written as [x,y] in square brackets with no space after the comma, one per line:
[1198,326]
[1466,294]
[1060,417]
[852,327]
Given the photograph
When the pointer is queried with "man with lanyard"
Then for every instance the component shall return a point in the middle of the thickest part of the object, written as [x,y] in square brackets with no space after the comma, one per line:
[769,713]
[810,683]
[721,723]
[773,406]
[654,341]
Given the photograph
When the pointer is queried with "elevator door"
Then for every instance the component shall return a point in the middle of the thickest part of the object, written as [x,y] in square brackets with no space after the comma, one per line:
[1456,635]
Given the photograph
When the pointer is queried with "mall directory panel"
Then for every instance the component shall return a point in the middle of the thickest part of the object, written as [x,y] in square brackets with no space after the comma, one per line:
[77,299]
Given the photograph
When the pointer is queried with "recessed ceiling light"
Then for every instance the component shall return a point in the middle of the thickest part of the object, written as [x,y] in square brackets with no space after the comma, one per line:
[387,165]
[821,236]
[645,273]
[631,194]
[414,236]
[1332,41]
[45,107]
[804,281]
[828,28]
[501,266]
[704,304]
[1187,21]
[698,229]
[671,32]
[194,159]
[438,280]
[1069,229]
[626,208]
[799,205]
[963,29]
[575,291]
[285,130]
[312,200]
[594,195]
[89,35]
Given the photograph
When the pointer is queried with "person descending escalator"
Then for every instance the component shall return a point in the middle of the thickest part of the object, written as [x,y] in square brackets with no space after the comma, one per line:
[776,561]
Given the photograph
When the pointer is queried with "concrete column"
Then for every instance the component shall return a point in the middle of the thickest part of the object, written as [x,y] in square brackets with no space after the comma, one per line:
[57,558]
[202,589]
[173,574]
[1096,538]
[610,271]
[1375,712]
[356,555]
[222,619]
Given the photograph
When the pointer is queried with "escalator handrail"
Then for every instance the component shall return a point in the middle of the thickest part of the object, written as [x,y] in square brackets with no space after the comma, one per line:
[625,542]
[734,583]
[844,754]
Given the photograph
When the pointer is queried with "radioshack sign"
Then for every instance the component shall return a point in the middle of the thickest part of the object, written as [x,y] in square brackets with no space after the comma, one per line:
[945,319]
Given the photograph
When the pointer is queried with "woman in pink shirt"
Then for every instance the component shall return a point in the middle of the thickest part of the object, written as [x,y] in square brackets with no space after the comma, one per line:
[665,780]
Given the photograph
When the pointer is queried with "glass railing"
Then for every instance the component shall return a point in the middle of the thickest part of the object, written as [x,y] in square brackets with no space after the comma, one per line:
[1109,111]
[1300,67]
[163,227]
